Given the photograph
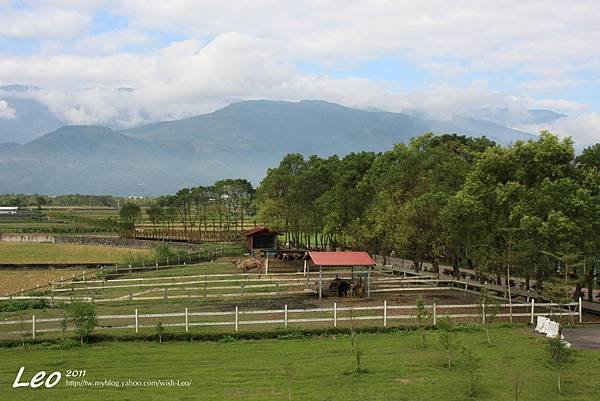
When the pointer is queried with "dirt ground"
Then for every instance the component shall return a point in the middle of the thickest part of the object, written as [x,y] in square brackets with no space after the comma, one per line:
[311,301]
[587,337]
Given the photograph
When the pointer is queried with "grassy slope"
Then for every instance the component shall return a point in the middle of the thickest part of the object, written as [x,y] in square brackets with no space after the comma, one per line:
[11,252]
[315,369]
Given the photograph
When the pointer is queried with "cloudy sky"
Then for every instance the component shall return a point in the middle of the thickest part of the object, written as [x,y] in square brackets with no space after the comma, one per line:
[128,62]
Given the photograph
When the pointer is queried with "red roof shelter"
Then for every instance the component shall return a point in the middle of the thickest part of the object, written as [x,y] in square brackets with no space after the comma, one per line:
[340,259]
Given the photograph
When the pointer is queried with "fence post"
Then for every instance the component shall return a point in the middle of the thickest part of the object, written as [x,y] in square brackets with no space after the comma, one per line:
[580,315]
[267,265]
[434,314]
[335,314]
[385,313]
[285,316]
[320,282]
[483,314]
[305,261]
[136,321]
[532,309]
[33,326]
[186,320]
[236,318]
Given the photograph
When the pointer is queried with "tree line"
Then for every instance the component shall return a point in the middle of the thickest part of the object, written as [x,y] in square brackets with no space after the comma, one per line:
[224,205]
[533,206]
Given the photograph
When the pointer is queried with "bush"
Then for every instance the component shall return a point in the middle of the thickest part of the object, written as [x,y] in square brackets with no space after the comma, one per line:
[22,304]
[82,315]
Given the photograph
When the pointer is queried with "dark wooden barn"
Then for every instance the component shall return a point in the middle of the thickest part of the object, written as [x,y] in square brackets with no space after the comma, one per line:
[260,238]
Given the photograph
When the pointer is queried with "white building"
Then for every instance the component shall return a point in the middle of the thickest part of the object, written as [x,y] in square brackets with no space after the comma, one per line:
[9,210]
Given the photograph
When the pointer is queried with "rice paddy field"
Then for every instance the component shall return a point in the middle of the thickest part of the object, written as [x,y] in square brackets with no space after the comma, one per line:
[13,281]
[48,253]
[394,367]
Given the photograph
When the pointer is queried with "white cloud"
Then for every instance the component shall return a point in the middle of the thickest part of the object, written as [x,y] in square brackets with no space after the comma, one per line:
[465,35]
[561,105]
[191,77]
[110,42]
[247,50]
[43,23]
[583,128]
[6,111]
[486,35]
[551,84]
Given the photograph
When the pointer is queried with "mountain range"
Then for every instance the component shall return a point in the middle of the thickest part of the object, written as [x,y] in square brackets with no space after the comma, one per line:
[241,140]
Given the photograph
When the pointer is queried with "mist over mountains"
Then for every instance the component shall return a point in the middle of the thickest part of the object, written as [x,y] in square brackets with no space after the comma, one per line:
[239,140]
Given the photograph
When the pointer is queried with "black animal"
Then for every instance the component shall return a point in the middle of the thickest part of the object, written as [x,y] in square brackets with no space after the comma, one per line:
[341,286]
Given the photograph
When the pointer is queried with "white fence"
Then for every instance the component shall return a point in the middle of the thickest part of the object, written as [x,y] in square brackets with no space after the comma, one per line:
[284,317]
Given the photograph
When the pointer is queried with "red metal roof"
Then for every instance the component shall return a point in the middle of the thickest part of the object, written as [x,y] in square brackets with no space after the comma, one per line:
[341,259]
[257,230]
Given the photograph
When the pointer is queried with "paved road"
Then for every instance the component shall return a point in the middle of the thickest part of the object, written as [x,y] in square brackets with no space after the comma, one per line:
[583,337]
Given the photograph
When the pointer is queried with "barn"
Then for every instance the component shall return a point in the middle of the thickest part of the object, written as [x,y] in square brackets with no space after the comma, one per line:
[260,238]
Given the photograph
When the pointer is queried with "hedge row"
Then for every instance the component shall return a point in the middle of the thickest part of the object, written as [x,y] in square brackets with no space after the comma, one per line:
[292,334]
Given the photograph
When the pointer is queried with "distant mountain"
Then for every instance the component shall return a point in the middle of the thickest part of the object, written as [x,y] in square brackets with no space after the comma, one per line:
[33,118]
[240,140]
[510,118]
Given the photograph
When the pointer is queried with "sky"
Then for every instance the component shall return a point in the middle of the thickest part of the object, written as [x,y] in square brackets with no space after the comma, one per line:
[125,63]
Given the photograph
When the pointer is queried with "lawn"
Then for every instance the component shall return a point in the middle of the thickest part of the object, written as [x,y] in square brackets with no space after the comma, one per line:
[23,253]
[307,369]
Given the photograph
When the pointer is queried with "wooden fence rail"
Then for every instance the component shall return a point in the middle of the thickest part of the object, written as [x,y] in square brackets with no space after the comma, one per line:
[132,321]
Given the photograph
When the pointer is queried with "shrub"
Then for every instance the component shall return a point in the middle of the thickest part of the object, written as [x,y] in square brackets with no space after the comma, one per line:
[22,304]
[83,316]
[560,357]
[447,337]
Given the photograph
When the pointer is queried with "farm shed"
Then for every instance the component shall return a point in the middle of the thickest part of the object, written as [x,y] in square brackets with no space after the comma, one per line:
[341,259]
[260,238]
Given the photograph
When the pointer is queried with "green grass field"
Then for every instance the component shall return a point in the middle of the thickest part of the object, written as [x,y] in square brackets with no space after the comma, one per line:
[308,369]
[20,253]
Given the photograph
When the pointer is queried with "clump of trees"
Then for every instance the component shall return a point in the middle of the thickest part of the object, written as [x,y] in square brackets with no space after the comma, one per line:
[224,206]
[463,201]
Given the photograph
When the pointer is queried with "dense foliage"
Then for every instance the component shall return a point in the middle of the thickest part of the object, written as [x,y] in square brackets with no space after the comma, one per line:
[533,206]
[224,204]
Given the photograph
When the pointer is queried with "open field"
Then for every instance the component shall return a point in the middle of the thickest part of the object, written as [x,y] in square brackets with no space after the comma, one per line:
[23,253]
[308,369]
[13,281]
